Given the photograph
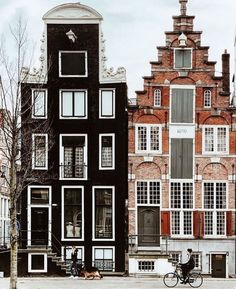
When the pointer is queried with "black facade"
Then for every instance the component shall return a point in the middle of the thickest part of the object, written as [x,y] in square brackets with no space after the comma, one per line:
[78,147]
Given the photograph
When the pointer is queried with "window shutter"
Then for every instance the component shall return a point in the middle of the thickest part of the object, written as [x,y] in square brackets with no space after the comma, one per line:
[165,223]
[201,224]
[229,223]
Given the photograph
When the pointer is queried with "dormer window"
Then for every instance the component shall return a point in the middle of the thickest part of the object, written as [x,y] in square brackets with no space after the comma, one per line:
[157,97]
[183,58]
[207,98]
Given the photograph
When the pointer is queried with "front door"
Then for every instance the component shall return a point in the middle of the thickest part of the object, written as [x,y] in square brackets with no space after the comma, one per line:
[148,226]
[39,226]
[218,265]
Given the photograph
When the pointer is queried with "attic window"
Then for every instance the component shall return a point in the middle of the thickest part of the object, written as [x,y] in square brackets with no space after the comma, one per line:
[73,64]
[183,58]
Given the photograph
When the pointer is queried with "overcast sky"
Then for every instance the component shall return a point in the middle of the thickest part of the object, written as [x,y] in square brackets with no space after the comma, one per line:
[133,28]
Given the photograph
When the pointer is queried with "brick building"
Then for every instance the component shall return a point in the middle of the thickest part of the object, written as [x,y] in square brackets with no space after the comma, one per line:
[182,157]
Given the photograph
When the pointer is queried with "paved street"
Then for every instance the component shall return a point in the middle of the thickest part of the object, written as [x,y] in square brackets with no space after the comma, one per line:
[109,282]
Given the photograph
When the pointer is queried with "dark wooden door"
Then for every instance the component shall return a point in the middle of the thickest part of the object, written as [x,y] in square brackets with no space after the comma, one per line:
[39,226]
[149,226]
[218,265]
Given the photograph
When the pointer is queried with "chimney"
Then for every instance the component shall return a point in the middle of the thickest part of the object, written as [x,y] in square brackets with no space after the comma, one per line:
[225,74]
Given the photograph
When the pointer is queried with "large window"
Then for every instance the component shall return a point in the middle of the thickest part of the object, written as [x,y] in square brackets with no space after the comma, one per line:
[73,104]
[39,103]
[103,213]
[181,201]
[148,192]
[181,105]
[215,208]
[183,58]
[107,103]
[72,212]
[215,139]
[73,157]
[148,138]
[106,151]
[103,258]
[73,64]
[39,151]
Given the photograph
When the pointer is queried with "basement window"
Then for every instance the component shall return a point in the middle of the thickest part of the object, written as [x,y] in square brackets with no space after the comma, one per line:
[37,263]
[146,266]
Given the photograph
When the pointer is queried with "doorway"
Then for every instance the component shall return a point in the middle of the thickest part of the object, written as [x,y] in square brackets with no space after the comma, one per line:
[218,265]
[39,226]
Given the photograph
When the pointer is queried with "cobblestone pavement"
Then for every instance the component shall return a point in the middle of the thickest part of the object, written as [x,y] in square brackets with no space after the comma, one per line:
[109,283]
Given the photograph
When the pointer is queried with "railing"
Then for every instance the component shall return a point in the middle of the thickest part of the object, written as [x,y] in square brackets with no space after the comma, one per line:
[73,171]
[160,242]
[104,265]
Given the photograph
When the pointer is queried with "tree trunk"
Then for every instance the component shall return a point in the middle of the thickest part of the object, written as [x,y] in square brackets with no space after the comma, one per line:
[14,247]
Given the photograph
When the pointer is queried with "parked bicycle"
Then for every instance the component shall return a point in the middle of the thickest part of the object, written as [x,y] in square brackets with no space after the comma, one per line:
[171,279]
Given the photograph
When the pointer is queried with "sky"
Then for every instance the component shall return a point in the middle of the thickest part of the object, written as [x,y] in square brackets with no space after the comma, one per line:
[134,28]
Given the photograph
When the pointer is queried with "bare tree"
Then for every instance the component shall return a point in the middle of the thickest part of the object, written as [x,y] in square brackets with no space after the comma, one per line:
[16,133]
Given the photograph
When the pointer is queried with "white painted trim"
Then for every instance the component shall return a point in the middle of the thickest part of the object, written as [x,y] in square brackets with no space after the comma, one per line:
[74,51]
[113,103]
[45,104]
[63,238]
[148,127]
[113,213]
[180,68]
[61,156]
[113,151]
[44,270]
[86,104]
[215,152]
[226,261]
[157,94]
[148,192]
[104,247]
[46,151]
[204,97]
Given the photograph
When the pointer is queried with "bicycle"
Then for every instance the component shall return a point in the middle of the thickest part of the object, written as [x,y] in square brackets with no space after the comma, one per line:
[75,269]
[171,279]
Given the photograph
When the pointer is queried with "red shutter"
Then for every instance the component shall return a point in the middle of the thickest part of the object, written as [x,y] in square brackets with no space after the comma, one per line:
[201,224]
[165,223]
[198,224]
[229,223]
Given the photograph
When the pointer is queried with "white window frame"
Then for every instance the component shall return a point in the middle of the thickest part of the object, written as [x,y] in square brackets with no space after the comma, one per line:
[113,103]
[215,210]
[113,213]
[34,135]
[61,156]
[74,51]
[63,238]
[85,104]
[148,138]
[180,68]
[148,204]
[70,248]
[157,97]
[113,151]
[44,270]
[104,247]
[215,128]
[207,94]
[33,90]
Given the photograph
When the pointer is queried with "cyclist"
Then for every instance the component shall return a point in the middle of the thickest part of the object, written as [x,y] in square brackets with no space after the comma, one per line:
[188,266]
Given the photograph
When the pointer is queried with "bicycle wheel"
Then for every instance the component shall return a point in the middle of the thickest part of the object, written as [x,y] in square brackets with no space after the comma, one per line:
[170,279]
[195,280]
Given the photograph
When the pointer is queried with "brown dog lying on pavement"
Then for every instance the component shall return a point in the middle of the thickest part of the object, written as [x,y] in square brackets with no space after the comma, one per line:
[90,273]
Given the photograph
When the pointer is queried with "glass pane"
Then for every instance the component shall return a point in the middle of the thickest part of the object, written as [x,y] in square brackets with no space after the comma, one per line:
[67,103]
[178,58]
[106,152]
[187,59]
[107,103]
[209,139]
[73,63]
[142,138]
[98,253]
[154,138]
[39,196]
[208,195]
[221,139]
[79,99]
[39,103]
[40,151]
[107,253]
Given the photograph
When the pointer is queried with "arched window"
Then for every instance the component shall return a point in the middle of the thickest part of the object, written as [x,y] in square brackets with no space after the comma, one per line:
[207,98]
[157,97]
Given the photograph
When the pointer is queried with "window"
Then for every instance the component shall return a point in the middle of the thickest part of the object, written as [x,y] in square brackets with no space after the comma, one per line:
[73,64]
[106,151]
[73,156]
[146,266]
[104,258]
[148,192]
[157,97]
[215,205]
[39,103]
[207,98]
[107,103]
[182,105]
[40,151]
[198,260]
[183,58]
[72,217]
[176,257]
[181,200]
[181,158]
[215,139]
[73,104]
[103,213]
[148,138]
[37,262]
[39,196]
[66,253]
